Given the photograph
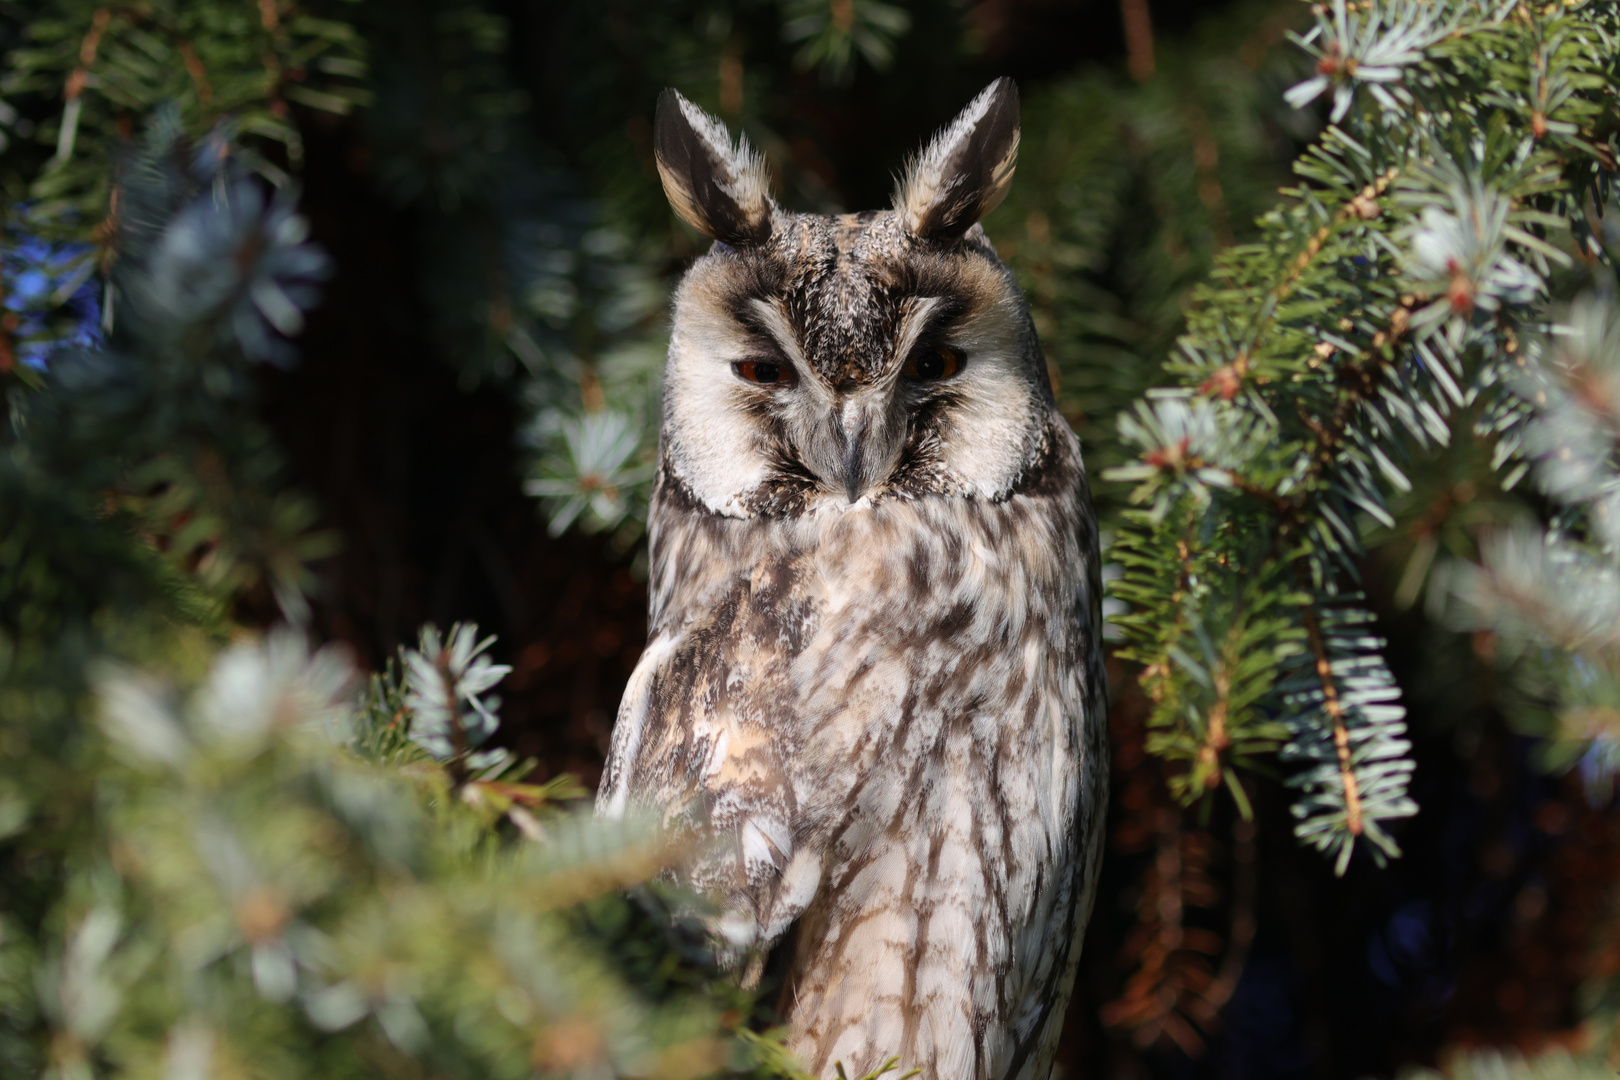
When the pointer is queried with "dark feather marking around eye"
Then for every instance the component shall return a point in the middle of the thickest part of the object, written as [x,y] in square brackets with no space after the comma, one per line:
[784,463]
[793,471]
[758,406]
[752,273]
[926,417]
[765,346]
[948,310]
[791,486]
[919,471]
[765,365]
[1049,472]
[742,307]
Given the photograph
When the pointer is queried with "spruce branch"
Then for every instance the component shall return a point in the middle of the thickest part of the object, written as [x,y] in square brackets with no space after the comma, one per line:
[1549,591]
[1341,732]
[447,684]
[111,66]
[1377,306]
[251,870]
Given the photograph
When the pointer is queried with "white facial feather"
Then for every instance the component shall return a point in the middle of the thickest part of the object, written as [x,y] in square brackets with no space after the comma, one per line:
[988,438]
[718,454]
[776,323]
[918,316]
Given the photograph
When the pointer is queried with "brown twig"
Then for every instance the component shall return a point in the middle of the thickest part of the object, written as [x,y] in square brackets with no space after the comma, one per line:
[198,73]
[1206,156]
[1341,732]
[87,55]
[1245,890]
[1171,994]
[1355,208]
[1138,38]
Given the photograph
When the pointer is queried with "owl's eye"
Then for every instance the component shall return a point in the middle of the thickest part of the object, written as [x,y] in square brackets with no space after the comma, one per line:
[763,371]
[933,362]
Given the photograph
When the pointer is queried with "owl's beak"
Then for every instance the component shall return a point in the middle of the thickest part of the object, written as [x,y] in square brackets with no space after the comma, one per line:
[854,475]
[870,444]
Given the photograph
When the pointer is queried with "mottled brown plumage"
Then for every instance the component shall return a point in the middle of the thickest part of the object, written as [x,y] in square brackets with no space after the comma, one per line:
[874,670]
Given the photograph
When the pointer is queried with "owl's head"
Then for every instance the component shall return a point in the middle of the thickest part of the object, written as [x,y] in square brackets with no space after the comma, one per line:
[819,361]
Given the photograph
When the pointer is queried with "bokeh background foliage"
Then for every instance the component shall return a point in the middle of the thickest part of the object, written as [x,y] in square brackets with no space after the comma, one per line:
[322,321]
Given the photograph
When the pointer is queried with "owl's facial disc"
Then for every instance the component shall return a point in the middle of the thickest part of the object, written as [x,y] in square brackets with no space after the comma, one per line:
[842,362]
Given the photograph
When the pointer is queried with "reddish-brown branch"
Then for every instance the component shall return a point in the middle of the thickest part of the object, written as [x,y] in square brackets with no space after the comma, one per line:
[1341,732]
[198,73]
[1206,156]
[1245,892]
[1138,22]
[1355,208]
[87,55]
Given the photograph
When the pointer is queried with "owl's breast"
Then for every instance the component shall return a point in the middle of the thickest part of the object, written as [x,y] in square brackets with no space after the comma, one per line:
[851,635]
[895,713]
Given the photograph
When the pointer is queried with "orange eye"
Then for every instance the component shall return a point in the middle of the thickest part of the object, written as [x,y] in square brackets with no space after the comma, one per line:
[933,362]
[764,372]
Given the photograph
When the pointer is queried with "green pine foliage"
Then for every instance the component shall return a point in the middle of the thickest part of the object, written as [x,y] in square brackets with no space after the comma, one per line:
[1492,1065]
[1467,145]
[1126,192]
[111,65]
[264,887]
[1549,591]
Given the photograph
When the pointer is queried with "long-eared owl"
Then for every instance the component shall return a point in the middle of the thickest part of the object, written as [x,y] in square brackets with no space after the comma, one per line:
[874,672]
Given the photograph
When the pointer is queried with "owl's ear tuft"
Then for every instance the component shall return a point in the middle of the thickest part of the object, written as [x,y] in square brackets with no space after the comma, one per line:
[719,189]
[965,172]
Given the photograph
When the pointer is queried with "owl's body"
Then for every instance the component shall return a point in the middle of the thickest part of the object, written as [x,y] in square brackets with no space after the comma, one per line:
[873,670]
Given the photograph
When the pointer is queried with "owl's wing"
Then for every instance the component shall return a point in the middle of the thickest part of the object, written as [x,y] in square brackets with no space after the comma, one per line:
[613,796]
[692,740]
